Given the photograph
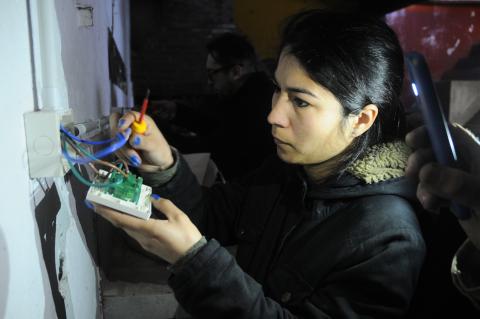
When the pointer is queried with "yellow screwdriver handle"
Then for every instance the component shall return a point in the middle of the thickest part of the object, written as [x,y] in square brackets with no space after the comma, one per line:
[139,127]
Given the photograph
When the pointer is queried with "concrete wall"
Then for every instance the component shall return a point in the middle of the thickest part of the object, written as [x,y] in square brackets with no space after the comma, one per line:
[24,288]
[48,257]
[168,44]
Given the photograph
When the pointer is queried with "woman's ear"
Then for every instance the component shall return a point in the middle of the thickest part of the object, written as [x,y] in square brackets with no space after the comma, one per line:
[364,120]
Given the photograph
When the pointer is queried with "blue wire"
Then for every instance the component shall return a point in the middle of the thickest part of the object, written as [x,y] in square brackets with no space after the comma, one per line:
[74,160]
[73,137]
[79,176]
[121,141]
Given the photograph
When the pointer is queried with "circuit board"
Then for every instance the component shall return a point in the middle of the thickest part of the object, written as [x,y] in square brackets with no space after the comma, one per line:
[128,189]
[126,194]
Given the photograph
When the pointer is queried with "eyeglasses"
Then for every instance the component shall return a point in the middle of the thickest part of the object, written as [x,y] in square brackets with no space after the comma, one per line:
[211,73]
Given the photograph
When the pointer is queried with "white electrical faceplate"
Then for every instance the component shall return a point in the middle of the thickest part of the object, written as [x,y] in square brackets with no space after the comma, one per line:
[42,130]
[143,209]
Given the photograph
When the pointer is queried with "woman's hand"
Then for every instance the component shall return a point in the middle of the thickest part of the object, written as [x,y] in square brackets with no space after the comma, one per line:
[440,184]
[169,239]
[149,151]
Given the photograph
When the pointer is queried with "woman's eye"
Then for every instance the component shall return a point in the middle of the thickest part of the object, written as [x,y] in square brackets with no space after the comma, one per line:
[299,102]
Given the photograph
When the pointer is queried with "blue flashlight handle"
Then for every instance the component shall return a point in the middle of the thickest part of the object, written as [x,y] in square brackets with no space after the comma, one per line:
[435,120]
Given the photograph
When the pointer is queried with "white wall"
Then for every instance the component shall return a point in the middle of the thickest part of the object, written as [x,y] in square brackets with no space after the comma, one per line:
[26,289]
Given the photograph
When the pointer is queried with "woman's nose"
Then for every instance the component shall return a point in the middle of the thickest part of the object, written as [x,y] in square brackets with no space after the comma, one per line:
[278,114]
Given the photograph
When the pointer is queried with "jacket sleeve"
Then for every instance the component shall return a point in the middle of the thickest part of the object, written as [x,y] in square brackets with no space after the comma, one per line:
[466,272]
[212,285]
[213,210]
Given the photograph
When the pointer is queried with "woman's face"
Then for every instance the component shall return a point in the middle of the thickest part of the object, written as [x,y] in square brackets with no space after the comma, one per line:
[307,120]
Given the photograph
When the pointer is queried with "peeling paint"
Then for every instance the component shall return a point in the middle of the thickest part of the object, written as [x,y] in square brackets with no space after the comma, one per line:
[60,268]
[84,16]
[63,223]
[455,46]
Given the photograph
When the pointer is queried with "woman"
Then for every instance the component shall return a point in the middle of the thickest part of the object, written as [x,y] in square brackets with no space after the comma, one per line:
[327,231]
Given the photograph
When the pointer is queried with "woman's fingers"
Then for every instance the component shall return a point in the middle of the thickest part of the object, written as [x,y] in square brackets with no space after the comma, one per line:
[120,220]
[150,150]
[142,142]
[126,120]
[416,160]
[165,206]
[419,141]
[132,156]
[428,200]
[169,239]
[168,208]
[454,184]
[418,138]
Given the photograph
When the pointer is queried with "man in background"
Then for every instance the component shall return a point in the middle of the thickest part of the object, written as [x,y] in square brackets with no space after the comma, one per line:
[233,125]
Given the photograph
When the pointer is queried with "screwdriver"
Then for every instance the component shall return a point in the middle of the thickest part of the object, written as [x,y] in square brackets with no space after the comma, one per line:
[140,126]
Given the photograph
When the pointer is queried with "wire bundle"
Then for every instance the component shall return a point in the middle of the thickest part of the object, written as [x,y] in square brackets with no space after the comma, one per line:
[85,157]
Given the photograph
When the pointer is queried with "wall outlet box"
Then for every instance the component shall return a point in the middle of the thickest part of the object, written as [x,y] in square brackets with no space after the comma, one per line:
[42,130]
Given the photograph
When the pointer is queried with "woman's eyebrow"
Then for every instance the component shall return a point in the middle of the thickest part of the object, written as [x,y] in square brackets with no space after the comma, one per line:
[294,89]
[300,90]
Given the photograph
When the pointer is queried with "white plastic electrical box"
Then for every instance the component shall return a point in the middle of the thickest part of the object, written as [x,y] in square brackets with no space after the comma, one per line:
[42,130]
[142,209]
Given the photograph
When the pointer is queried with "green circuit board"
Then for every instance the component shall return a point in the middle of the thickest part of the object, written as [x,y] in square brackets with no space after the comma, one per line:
[126,188]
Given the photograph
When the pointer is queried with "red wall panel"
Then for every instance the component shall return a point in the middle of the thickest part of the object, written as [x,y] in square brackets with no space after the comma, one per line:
[443,33]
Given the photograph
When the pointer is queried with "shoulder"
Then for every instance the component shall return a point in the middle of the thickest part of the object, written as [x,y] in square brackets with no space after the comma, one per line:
[385,207]
[382,215]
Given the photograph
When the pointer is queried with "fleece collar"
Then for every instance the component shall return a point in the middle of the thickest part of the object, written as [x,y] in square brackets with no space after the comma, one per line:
[382,162]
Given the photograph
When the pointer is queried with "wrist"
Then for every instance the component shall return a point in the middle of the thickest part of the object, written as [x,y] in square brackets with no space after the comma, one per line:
[189,254]
[169,162]
[155,176]
[151,165]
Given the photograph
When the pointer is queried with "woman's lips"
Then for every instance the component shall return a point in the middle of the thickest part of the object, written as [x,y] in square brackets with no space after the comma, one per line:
[279,141]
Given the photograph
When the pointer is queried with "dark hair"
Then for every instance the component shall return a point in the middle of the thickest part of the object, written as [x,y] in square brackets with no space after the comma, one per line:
[231,49]
[359,60]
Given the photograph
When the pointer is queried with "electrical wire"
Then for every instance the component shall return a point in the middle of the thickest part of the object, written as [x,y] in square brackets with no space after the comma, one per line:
[80,177]
[94,168]
[113,167]
[63,130]
[125,164]
[121,141]
[80,149]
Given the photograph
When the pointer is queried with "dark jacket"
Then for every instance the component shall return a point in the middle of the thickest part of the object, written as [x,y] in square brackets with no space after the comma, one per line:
[242,128]
[342,250]
[227,127]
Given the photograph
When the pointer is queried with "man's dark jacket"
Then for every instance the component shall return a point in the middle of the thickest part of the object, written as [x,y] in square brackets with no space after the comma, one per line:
[346,249]
[231,128]
[242,128]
